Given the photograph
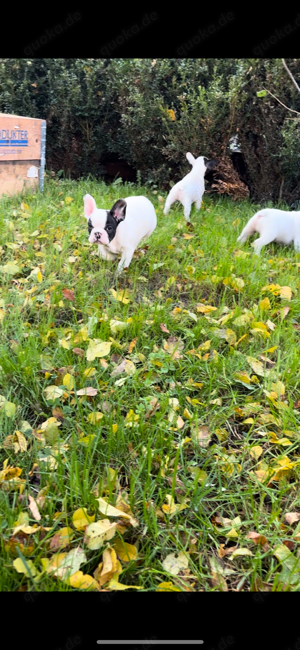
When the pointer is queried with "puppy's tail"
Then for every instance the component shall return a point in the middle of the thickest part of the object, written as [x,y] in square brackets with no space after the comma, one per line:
[250,227]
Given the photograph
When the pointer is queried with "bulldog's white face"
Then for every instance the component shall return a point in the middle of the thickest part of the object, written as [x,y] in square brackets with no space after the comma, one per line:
[96,219]
[102,224]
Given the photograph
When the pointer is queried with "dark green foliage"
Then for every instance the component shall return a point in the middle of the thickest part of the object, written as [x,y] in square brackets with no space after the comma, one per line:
[148,113]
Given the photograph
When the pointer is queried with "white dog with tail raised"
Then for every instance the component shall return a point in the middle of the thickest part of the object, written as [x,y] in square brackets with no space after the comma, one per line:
[190,189]
[118,231]
[273,225]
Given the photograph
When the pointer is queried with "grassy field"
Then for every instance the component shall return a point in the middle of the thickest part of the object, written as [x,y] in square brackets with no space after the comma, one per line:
[150,423]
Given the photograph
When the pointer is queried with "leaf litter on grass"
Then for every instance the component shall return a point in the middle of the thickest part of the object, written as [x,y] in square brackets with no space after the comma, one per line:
[198,361]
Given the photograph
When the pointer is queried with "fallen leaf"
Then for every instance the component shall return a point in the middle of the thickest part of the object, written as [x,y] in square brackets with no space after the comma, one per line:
[257,366]
[125,551]
[25,566]
[80,581]
[89,391]
[61,539]
[34,508]
[256,452]
[109,567]
[68,294]
[53,392]
[291,517]
[97,349]
[240,551]
[63,565]
[110,511]
[122,295]
[264,304]
[174,563]
[222,551]
[68,381]
[9,409]
[243,378]
[78,351]
[10,268]
[173,345]
[95,417]
[125,366]
[257,538]
[132,344]
[81,519]
[201,434]
[286,293]
[117,325]
[163,328]
[98,532]
[167,586]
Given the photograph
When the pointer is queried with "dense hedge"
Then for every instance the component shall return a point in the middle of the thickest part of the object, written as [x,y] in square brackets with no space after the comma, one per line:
[150,112]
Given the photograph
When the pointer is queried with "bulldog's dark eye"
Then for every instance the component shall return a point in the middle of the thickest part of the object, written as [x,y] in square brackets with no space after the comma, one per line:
[108,227]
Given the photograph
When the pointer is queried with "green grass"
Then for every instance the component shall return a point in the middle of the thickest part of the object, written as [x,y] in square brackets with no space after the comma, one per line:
[162,454]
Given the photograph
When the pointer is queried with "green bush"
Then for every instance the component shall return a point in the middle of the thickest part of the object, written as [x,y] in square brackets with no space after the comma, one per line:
[149,112]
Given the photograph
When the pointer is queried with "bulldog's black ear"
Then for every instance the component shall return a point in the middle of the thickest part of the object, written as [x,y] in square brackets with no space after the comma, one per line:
[211,164]
[118,210]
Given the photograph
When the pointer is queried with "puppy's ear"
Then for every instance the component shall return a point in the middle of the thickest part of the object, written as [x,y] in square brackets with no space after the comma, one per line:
[89,205]
[190,158]
[118,210]
[211,164]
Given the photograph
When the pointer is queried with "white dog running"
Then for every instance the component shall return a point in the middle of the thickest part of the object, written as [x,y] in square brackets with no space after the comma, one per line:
[190,189]
[135,220]
[273,225]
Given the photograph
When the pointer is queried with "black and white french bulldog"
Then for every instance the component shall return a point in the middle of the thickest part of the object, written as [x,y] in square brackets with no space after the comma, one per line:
[120,229]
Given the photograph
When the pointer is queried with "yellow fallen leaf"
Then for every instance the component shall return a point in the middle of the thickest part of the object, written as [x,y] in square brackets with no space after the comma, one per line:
[242,378]
[125,551]
[115,585]
[256,452]
[21,441]
[278,387]
[110,511]
[264,304]
[63,565]
[122,295]
[257,366]
[81,519]
[110,566]
[205,309]
[97,349]
[80,581]
[27,567]
[95,417]
[117,325]
[286,293]
[174,563]
[98,532]
[68,381]
[240,551]
[167,586]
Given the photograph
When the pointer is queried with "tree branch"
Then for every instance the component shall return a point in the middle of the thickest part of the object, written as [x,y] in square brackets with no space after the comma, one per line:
[278,100]
[289,72]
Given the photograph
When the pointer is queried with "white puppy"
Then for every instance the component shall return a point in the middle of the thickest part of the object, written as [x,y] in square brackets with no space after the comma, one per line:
[119,230]
[190,189]
[273,225]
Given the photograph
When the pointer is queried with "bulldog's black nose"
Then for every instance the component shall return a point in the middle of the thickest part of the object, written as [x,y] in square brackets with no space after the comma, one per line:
[97,235]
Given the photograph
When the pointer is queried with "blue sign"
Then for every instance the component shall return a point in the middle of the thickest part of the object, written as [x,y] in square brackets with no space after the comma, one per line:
[13,138]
